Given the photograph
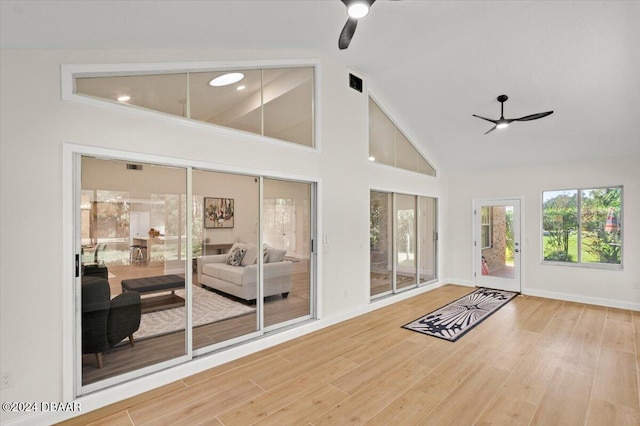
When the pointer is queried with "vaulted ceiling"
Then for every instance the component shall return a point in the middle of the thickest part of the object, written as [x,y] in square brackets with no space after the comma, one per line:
[432,64]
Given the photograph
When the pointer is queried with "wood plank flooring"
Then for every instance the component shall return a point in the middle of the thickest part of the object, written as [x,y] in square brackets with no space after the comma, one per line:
[534,362]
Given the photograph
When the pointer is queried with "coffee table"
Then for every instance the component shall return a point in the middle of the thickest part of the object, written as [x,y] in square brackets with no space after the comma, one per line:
[149,285]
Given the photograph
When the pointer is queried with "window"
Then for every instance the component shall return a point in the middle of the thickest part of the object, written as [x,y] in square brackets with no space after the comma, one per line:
[486,227]
[274,102]
[583,226]
[388,145]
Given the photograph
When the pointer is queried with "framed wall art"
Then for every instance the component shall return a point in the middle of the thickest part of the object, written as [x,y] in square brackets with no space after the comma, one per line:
[218,212]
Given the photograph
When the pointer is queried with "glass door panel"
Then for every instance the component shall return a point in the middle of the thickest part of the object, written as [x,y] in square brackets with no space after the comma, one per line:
[497,244]
[287,256]
[225,251]
[380,243]
[405,210]
[427,209]
[132,271]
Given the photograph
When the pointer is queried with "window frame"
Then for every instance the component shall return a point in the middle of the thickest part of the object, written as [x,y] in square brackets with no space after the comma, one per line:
[579,263]
[398,129]
[69,72]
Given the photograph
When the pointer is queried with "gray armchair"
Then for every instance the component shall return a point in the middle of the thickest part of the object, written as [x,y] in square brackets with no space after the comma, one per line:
[106,321]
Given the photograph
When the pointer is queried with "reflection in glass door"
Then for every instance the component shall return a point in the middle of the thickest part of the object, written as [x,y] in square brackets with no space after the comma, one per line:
[287,251]
[497,244]
[428,239]
[402,243]
[380,243]
[405,248]
[132,269]
[225,251]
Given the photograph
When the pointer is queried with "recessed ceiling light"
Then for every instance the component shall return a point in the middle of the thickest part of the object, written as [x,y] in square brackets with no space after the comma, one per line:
[358,10]
[226,79]
[241,87]
[372,158]
[123,98]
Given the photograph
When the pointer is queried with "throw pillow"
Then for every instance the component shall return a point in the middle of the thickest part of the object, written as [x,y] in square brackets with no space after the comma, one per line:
[276,255]
[265,254]
[234,258]
[251,256]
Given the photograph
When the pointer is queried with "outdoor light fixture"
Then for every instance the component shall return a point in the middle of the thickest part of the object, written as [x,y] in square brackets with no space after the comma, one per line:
[226,79]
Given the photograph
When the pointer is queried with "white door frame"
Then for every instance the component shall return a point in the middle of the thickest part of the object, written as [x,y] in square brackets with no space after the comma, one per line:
[502,283]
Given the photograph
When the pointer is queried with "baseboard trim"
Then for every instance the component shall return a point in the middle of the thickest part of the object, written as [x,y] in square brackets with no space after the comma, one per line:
[611,303]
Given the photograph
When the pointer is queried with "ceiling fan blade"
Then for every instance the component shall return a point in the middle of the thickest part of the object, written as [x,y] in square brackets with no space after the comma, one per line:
[491,130]
[347,33]
[533,116]
[484,118]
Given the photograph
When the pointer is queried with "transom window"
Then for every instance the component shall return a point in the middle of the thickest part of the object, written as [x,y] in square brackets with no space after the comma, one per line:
[273,102]
[388,145]
[583,226]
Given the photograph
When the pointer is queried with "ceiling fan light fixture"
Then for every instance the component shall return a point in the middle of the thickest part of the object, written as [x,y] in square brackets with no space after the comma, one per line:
[226,79]
[357,10]
[502,125]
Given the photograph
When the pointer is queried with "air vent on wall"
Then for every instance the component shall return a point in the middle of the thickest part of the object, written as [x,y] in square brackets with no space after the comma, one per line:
[131,166]
[355,83]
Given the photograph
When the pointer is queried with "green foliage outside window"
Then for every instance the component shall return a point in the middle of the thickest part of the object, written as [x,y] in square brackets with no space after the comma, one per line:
[591,236]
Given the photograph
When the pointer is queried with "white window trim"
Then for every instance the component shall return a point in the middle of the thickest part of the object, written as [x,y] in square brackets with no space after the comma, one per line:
[588,265]
[69,72]
[141,382]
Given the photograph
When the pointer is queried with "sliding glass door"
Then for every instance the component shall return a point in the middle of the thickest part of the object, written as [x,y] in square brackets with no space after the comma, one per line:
[287,251]
[403,242]
[175,262]
[225,249]
[132,267]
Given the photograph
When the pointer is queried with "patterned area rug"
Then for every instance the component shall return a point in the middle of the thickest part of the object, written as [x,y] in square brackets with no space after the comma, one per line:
[208,307]
[452,321]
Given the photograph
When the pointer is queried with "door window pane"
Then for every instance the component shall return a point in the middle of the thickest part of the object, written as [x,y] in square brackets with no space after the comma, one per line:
[287,252]
[224,301]
[133,274]
[428,238]
[405,241]
[498,256]
[380,242]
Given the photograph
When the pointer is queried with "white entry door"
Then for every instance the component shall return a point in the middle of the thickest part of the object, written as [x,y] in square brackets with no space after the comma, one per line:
[497,247]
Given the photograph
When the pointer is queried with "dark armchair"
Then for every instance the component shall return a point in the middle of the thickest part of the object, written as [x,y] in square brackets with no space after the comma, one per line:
[106,321]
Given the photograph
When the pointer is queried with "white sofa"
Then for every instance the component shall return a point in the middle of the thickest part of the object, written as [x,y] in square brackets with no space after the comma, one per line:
[241,281]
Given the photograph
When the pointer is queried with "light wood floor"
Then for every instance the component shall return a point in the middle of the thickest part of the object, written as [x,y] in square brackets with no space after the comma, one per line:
[534,362]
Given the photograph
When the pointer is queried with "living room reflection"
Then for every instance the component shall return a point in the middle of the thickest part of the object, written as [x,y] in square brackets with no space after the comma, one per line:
[133,265]
[133,236]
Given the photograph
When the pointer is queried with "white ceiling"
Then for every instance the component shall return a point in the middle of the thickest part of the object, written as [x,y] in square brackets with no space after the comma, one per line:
[432,64]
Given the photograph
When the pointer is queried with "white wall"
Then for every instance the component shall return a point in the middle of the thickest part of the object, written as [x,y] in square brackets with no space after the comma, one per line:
[598,286]
[36,123]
